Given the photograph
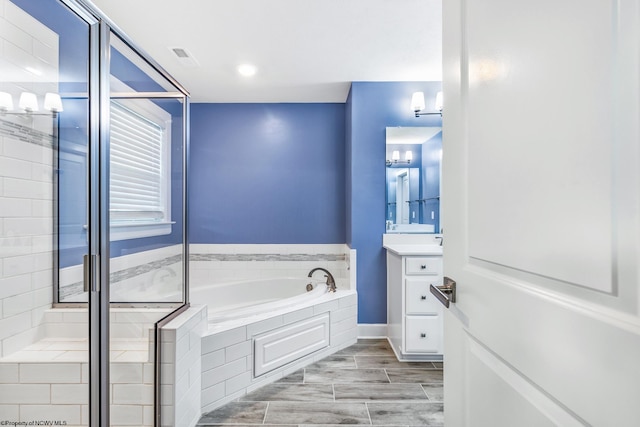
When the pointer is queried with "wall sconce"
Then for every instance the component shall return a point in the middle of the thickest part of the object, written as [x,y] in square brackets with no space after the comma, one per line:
[395,158]
[53,102]
[28,102]
[6,102]
[417,104]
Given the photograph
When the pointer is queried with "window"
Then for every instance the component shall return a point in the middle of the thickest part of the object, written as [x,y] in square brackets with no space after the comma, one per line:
[139,183]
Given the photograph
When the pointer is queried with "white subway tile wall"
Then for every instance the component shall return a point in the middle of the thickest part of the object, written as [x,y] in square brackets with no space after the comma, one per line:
[214,264]
[181,367]
[26,180]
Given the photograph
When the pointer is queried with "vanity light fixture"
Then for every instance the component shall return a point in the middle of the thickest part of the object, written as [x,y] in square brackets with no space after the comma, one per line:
[418,104]
[53,102]
[28,103]
[395,158]
[408,156]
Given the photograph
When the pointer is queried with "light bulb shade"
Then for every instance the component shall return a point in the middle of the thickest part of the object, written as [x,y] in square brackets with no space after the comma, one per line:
[6,101]
[439,101]
[28,101]
[417,101]
[408,156]
[395,155]
[53,102]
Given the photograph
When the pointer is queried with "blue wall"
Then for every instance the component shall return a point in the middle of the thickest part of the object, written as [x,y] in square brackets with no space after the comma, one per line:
[267,173]
[372,107]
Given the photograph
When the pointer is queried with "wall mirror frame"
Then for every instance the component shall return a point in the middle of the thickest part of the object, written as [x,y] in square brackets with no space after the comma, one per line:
[413,184]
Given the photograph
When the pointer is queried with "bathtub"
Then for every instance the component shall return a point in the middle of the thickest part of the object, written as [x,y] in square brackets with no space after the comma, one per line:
[249,298]
[261,330]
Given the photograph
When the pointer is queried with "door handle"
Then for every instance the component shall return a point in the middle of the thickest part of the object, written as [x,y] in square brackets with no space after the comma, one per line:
[446,293]
[86,274]
[90,263]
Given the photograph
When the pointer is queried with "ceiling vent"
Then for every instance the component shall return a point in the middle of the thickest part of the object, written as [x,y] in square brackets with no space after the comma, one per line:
[184,57]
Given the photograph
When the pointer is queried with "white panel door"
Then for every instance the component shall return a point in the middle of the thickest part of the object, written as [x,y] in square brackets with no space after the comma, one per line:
[542,200]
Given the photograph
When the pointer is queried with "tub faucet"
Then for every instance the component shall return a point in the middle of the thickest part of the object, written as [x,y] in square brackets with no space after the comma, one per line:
[331,283]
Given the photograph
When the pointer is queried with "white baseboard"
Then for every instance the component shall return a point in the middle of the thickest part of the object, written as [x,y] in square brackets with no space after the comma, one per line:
[372,330]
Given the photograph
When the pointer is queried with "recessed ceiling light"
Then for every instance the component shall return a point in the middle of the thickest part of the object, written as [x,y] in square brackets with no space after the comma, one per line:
[247,70]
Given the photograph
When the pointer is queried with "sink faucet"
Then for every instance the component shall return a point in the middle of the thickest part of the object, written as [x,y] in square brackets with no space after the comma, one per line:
[331,283]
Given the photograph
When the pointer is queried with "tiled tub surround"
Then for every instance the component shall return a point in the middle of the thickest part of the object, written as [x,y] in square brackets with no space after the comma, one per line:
[48,380]
[228,347]
[149,276]
[205,365]
[181,367]
[211,264]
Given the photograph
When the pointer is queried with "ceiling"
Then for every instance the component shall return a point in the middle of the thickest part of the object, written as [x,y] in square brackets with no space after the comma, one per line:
[304,50]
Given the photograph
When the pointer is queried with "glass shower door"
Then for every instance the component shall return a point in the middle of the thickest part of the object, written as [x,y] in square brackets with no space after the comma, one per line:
[147,259]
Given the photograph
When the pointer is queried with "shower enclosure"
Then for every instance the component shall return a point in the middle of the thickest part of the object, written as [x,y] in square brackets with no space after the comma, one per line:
[93,253]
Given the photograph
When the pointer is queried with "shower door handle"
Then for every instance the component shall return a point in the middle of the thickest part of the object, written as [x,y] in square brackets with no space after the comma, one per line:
[86,276]
[90,264]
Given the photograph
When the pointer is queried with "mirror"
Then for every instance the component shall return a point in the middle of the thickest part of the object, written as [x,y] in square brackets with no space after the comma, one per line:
[414,155]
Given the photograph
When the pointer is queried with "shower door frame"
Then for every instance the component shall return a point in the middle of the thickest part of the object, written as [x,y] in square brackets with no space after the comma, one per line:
[98,229]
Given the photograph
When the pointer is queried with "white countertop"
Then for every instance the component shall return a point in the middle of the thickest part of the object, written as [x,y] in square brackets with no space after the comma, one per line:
[413,249]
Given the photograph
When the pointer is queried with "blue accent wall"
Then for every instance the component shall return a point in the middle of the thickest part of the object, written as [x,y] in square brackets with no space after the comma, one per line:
[267,173]
[373,106]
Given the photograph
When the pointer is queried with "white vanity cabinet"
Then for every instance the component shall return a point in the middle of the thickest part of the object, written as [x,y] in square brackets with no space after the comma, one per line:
[414,315]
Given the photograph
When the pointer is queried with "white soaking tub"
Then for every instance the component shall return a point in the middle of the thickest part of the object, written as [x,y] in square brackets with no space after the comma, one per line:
[262,330]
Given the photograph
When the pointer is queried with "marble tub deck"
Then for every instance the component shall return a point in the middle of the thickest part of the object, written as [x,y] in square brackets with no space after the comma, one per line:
[361,385]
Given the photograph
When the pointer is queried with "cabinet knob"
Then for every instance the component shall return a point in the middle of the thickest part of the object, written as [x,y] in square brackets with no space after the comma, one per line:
[423,297]
[423,335]
[423,266]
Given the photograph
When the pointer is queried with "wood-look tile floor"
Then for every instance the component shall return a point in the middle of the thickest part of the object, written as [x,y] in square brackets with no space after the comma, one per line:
[361,385]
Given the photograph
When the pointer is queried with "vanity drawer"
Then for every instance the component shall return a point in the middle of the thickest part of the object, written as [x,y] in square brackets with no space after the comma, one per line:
[423,265]
[423,334]
[418,298]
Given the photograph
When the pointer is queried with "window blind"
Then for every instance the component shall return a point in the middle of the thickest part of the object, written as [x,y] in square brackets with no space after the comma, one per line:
[136,175]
